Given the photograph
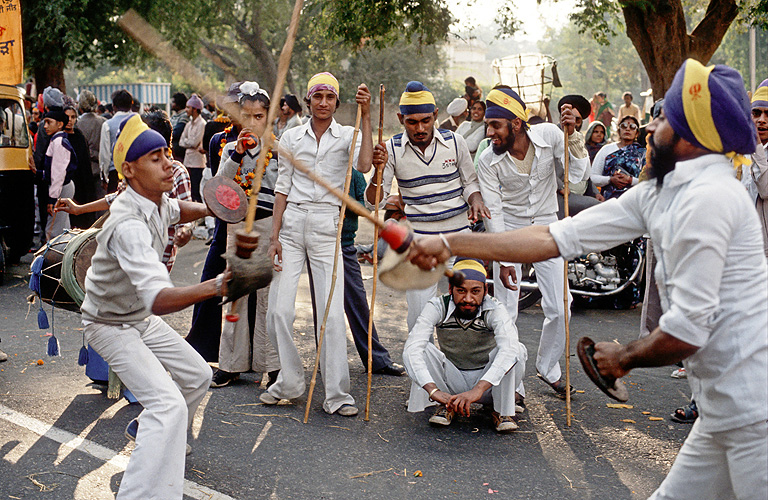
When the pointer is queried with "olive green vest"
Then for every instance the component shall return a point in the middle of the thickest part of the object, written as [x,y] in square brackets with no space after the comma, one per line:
[466,344]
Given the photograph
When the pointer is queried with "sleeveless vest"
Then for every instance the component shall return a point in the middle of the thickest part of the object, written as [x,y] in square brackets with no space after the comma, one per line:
[466,344]
[431,187]
[110,297]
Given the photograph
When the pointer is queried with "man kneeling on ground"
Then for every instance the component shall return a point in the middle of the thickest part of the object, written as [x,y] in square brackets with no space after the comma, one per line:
[479,359]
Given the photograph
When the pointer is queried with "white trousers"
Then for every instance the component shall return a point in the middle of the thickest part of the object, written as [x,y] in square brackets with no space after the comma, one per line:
[450,379]
[549,276]
[722,465]
[142,355]
[308,231]
[239,351]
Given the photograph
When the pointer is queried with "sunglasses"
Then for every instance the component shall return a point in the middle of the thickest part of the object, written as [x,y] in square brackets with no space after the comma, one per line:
[757,112]
[630,126]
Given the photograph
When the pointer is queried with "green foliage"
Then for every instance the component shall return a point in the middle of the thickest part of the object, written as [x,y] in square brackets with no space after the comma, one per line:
[381,22]
[599,18]
[734,51]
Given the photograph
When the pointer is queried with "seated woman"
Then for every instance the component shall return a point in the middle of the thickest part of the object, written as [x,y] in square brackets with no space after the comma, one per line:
[617,165]
[473,130]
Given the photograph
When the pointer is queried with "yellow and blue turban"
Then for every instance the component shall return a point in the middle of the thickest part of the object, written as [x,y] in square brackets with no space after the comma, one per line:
[472,269]
[134,140]
[322,81]
[416,99]
[708,107]
[505,103]
[760,97]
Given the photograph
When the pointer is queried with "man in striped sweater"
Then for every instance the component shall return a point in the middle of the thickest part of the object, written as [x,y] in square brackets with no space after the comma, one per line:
[435,176]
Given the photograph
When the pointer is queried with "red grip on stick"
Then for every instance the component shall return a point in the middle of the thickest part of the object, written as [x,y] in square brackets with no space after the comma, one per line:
[397,237]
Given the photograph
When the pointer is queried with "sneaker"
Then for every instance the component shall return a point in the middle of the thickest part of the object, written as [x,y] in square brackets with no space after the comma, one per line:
[679,373]
[347,410]
[503,423]
[442,416]
[268,399]
[133,427]
[222,378]
[3,356]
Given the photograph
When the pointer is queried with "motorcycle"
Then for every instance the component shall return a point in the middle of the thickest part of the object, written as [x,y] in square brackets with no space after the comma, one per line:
[612,278]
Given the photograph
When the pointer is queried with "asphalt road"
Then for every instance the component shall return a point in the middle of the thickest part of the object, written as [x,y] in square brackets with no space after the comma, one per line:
[61,438]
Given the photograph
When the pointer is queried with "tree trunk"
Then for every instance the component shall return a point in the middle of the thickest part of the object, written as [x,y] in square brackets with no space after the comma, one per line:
[50,76]
[660,36]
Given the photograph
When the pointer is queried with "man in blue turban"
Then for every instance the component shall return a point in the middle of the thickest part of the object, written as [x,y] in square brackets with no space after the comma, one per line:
[435,176]
[711,275]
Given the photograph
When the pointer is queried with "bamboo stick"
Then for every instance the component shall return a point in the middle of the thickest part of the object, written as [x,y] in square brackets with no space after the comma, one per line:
[379,174]
[321,336]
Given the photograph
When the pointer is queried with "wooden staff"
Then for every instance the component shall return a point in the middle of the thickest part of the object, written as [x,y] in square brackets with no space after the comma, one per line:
[566,190]
[347,181]
[379,174]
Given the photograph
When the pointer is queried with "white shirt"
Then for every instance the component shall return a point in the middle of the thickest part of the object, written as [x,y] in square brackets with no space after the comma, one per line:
[131,244]
[598,179]
[105,146]
[328,159]
[192,138]
[504,331]
[507,192]
[711,274]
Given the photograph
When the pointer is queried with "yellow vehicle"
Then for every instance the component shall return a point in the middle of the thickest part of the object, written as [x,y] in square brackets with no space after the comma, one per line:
[17,204]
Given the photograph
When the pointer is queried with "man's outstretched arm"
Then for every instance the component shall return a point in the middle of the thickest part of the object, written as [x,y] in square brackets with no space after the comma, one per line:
[529,244]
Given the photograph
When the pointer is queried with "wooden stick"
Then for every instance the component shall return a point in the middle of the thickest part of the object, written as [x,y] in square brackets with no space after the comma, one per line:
[321,336]
[566,190]
[267,137]
[351,203]
[379,174]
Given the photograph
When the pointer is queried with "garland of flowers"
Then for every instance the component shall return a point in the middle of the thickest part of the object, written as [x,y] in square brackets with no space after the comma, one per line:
[246,180]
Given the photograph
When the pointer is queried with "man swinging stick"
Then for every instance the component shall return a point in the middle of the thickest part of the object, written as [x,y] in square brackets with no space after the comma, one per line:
[710,252]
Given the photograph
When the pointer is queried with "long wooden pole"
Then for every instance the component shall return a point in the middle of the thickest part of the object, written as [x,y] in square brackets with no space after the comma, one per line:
[566,191]
[267,138]
[321,336]
[379,174]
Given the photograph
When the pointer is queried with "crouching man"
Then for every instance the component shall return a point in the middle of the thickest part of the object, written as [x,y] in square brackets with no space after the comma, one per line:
[480,359]
[126,288]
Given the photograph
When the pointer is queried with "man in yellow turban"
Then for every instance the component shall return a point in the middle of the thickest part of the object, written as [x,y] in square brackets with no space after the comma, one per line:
[127,288]
[711,275]
[304,229]
[480,358]
[518,181]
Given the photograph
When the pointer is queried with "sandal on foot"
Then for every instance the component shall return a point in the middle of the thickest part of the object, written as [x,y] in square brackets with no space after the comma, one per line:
[686,414]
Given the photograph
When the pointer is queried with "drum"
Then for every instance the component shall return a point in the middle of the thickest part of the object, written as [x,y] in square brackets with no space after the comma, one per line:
[77,259]
[55,271]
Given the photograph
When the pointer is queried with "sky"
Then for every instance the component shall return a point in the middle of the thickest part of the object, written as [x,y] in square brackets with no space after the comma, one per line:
[534,17]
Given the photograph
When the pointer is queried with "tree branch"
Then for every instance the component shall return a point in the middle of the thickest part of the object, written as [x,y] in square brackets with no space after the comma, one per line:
[709,33]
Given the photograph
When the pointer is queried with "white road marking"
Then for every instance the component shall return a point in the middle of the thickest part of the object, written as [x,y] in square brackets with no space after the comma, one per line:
[113,458]
[197,421]
[262,435]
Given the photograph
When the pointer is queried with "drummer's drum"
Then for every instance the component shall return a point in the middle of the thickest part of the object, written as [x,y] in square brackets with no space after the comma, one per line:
[66,258]
[77,260]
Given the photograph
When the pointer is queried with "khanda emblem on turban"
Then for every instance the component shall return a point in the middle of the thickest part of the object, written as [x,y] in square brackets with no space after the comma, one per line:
[695,91]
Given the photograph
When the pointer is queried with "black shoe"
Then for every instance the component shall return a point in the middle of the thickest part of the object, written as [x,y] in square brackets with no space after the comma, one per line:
[222,378]
[394,370]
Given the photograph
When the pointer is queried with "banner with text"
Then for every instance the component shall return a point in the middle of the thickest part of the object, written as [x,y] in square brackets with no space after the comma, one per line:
[11,51]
